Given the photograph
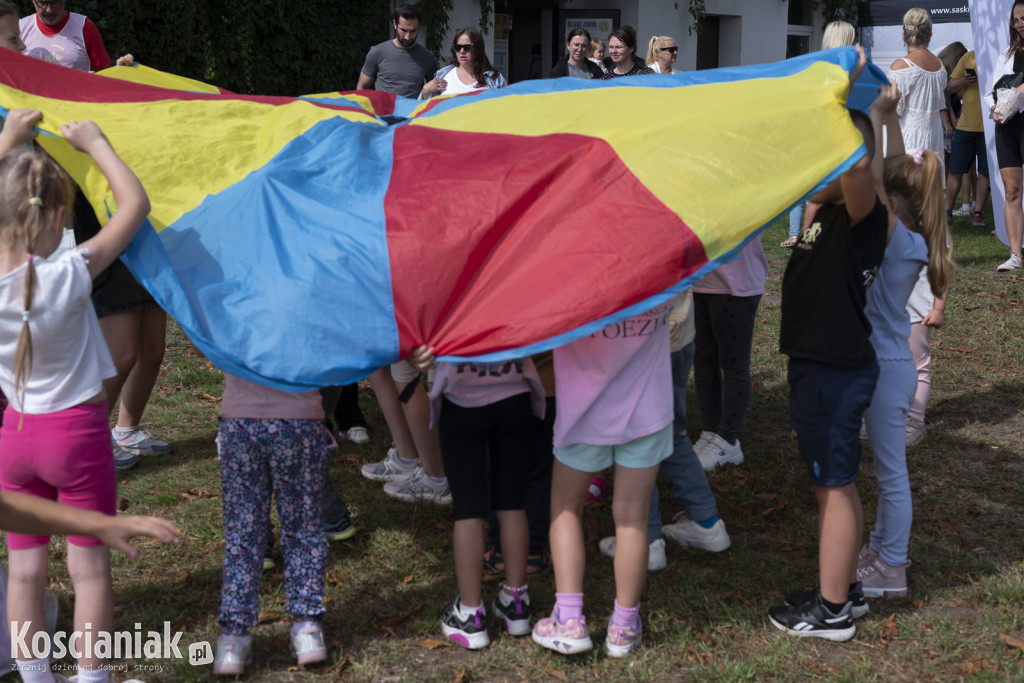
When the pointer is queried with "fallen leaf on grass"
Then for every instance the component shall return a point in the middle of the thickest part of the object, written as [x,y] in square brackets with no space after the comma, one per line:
[269,617]
[552,671]
[407,580]
[459,675]
[962,349]
[947,526]
[888,629]
[736,595]
[387,625]
[122,504]
[1011,641]
[208,397]
[430,644]
[740,477]
[957,577]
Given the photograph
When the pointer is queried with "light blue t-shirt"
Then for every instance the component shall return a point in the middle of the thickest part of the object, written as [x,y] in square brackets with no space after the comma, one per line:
[905,256]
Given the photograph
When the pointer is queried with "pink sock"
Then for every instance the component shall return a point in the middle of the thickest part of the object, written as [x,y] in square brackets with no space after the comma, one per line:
[568,606]
[626,616]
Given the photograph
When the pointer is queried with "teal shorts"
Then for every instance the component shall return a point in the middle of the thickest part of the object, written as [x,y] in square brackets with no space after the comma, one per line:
[646,451]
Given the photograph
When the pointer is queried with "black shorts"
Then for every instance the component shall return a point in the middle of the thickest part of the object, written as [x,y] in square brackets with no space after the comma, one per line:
[115,290]
[1010,142]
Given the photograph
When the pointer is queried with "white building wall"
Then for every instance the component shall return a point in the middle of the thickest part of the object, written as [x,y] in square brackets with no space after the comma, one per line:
[751,31]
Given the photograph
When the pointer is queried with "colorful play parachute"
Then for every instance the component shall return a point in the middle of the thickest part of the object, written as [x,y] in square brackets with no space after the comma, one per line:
[305,242]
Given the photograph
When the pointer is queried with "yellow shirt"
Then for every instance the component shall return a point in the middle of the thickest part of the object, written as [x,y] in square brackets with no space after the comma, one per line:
[970,116]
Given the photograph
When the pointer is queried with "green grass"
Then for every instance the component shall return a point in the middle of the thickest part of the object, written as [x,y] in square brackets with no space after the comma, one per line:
[705,614]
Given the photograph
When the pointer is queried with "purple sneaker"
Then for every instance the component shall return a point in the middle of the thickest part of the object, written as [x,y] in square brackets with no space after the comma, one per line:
[622,640]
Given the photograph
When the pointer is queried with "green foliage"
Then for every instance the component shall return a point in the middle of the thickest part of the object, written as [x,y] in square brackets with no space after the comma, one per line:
[435,22]
[834,10]
[269,47]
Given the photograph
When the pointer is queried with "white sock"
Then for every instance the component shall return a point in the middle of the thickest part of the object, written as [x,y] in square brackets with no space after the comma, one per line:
[299,625]
[92,675]
[35,670]
[965,207]
[466,612]
[125,431]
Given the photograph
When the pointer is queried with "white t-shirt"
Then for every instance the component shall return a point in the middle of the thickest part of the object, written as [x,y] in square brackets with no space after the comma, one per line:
[456,86]
[70,359]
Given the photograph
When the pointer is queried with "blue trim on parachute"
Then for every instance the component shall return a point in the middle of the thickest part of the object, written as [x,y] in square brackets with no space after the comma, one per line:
[325,268]
[650,302]
[862,95]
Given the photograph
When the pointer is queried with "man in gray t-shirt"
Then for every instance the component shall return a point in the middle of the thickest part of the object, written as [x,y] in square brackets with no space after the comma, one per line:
[400,66]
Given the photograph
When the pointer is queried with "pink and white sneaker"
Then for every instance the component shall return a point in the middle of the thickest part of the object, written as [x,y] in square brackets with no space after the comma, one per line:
[567,639]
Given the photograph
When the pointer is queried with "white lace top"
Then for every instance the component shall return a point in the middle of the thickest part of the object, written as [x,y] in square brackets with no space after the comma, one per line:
[921,100]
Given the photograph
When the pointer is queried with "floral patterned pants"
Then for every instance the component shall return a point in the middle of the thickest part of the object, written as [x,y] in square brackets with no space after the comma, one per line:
[286,458]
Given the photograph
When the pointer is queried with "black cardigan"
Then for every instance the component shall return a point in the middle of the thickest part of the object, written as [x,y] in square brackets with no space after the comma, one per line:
[561,68]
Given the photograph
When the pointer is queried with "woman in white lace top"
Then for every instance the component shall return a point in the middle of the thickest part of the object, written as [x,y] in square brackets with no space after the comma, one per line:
[922,83]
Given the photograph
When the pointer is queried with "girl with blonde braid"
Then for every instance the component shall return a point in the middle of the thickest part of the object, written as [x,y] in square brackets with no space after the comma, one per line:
[55,440]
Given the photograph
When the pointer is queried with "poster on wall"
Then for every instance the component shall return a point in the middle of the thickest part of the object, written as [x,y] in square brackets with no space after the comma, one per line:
[501,44]
[598,27]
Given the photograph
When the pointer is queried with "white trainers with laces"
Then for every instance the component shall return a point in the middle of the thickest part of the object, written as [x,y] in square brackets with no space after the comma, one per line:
[420,487]
[1012,263]
[685,531]
[717,452]
[655,555]
[391,468]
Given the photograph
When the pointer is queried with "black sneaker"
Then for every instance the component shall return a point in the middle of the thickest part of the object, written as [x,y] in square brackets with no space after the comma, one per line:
[515,616]
[471,632]
[813,620]
[858,605]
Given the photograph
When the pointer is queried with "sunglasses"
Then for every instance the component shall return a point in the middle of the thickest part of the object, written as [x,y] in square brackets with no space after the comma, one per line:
[674,49]
[461,48]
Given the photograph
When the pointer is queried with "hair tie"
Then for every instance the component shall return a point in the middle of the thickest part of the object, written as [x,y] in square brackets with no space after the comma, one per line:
[29,257]
[24,316]
[917,155]
[35,201]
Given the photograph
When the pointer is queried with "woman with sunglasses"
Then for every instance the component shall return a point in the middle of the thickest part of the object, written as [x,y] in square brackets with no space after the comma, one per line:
[468,70]
[662,53]
[575,63]
[622,49]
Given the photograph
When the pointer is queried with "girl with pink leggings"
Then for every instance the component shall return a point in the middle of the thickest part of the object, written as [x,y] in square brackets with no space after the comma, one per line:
[55,440]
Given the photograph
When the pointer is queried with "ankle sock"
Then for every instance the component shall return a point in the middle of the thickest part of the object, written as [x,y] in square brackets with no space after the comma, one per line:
[34,670]
[709,522]
[626,616]
[299,625]
[407,462]
[834,608]
[436,480]
[121,432]
[93,675]
[568,606]
[505,598]
[465,611]
[855,587]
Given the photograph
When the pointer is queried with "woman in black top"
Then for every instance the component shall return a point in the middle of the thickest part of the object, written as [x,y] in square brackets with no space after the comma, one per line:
[575,63]
[622,48]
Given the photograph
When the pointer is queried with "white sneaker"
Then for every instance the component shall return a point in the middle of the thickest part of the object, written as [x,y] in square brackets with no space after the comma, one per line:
[1012,263]
[717,452]
[685,531]
[702,441]
[391,468]
[655,555]
[916,432]
[420,487]
[356,434]
[963,211]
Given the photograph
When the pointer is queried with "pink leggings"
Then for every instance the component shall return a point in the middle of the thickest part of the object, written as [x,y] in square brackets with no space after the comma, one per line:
[921,347]
[64,456]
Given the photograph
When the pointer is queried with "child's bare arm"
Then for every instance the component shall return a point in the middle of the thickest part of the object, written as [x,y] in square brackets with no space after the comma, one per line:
[31,515]
[132,203]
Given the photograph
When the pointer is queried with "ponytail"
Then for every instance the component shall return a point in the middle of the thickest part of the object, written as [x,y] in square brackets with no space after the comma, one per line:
[918,185]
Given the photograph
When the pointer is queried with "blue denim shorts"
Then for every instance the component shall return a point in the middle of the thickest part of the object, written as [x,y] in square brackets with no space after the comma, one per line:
[640,453]
[826,404]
